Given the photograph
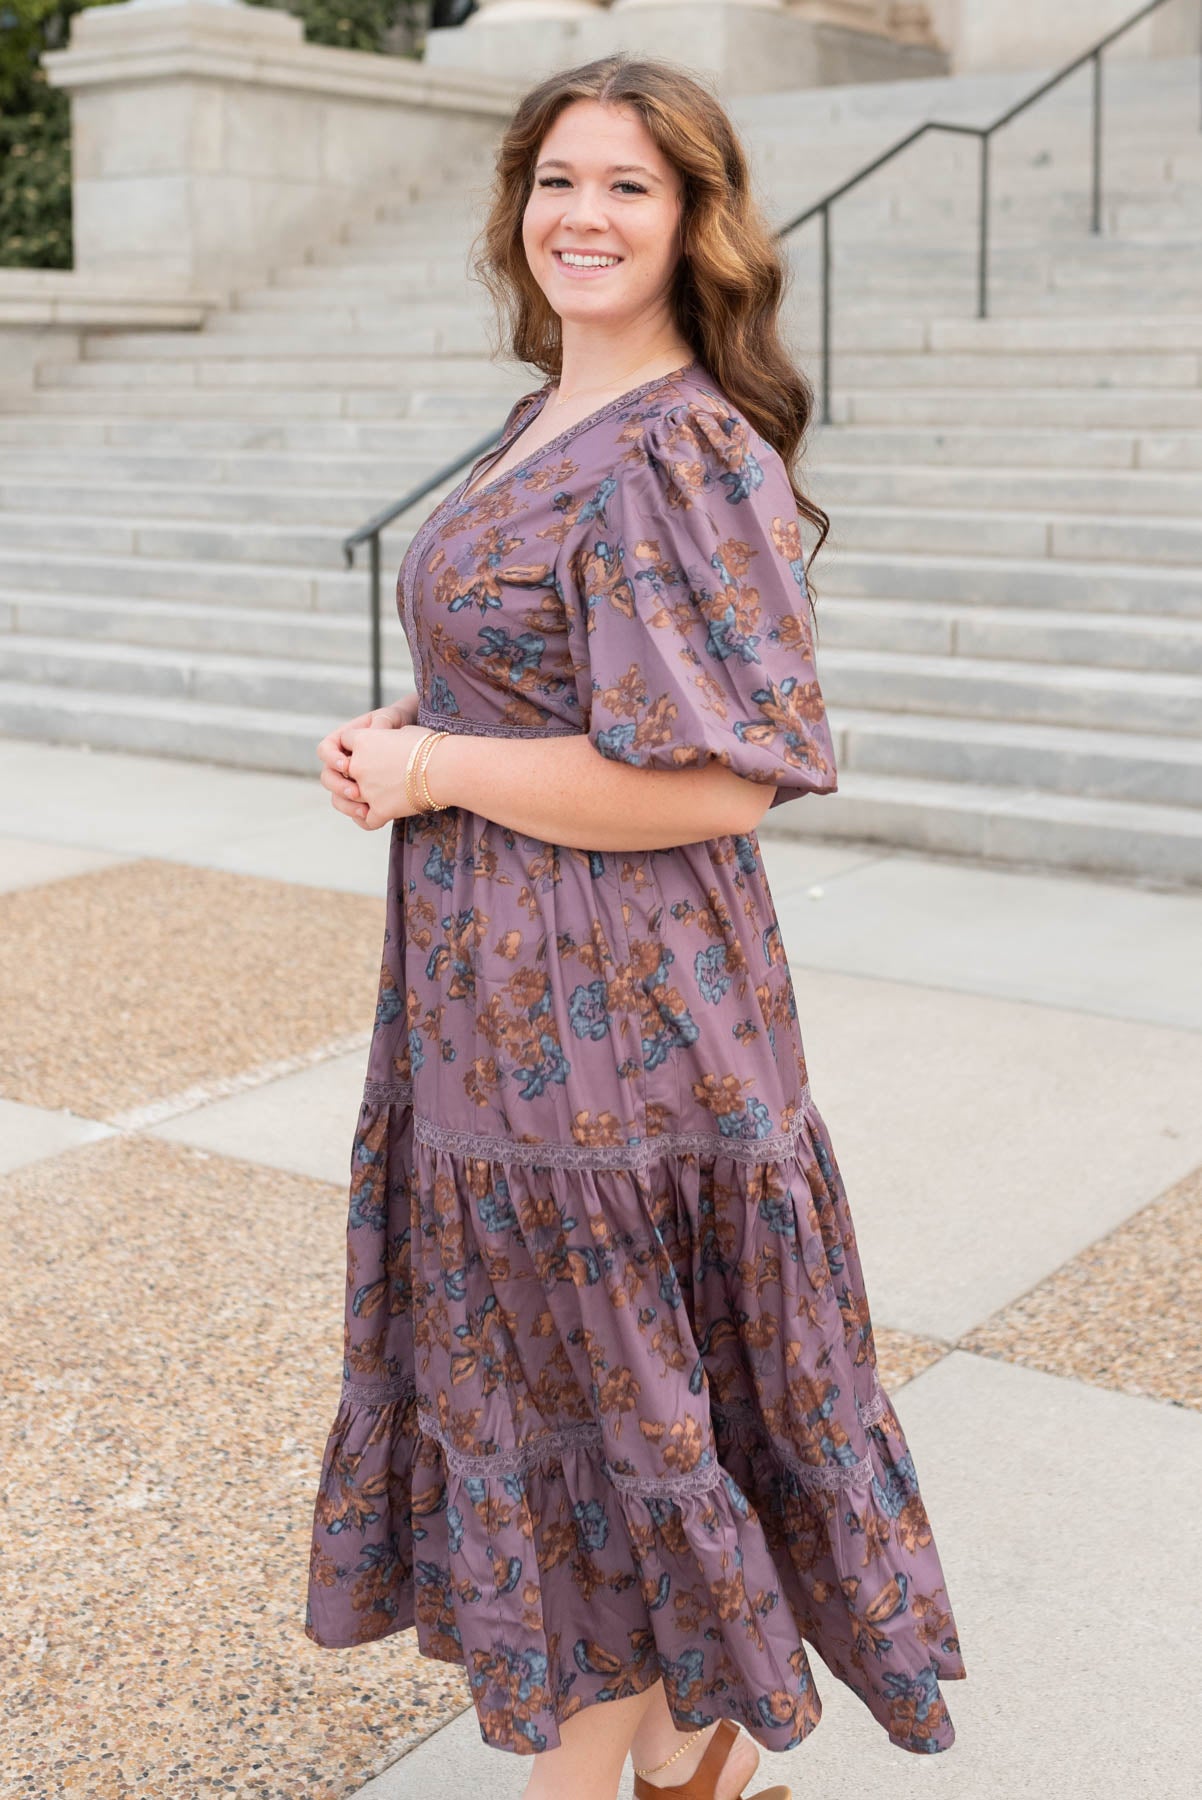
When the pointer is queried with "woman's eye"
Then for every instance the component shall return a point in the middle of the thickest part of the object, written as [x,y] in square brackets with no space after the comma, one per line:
[551,180]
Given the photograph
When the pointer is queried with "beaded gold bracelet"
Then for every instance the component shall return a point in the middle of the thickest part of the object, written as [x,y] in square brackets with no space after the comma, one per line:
[417,789]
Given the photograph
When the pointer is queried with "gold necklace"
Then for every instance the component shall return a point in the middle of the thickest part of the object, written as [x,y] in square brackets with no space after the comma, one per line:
[561,399]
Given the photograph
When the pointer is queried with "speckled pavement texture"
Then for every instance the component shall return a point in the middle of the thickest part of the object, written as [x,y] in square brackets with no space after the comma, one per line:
[187,1003]
[1126,1313]
[142,981]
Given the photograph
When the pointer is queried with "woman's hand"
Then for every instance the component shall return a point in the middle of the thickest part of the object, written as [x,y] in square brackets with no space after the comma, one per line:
[334,753]
[377,765]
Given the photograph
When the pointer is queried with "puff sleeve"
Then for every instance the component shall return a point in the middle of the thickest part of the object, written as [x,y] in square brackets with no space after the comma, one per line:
[689,571]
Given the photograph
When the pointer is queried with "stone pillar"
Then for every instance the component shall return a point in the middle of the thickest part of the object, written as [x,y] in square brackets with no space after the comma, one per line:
[210,142]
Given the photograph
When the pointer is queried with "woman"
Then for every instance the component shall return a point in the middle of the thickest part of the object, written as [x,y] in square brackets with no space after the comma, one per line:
[610,1429]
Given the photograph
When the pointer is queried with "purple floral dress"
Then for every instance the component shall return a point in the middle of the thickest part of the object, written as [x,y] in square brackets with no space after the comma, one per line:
[609,1407]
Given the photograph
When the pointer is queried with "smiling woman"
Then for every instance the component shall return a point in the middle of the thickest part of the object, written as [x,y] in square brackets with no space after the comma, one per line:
[611,1433]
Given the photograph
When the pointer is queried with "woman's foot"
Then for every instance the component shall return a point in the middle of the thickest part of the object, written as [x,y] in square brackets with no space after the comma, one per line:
[736,1771]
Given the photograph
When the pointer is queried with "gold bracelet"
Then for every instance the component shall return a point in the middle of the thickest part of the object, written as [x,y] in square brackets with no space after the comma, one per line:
[412,799]
[423,781]
[417,792]
[422,785]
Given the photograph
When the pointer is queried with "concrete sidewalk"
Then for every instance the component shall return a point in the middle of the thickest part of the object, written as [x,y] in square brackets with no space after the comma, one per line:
[1011,1070]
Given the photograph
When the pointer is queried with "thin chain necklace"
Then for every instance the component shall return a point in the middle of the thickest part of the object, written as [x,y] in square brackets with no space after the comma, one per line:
[561,399]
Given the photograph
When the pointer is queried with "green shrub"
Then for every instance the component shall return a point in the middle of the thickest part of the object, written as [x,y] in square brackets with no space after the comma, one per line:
[35,185]
[353,25]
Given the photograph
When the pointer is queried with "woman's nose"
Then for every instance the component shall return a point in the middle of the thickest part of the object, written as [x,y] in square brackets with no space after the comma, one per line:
[584,207]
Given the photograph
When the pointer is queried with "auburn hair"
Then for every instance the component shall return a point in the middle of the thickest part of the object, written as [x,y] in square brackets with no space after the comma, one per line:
[730,278]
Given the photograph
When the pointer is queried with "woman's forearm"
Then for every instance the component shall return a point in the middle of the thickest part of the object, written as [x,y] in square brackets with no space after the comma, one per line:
[563,791]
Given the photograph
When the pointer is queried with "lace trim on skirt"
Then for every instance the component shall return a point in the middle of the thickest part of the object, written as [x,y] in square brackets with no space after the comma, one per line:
[587,1436]
[554,1154]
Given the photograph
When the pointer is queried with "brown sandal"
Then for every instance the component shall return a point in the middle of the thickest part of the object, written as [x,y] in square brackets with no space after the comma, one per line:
[704,1779]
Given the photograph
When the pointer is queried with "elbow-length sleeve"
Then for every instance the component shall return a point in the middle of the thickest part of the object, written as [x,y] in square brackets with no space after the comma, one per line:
[690,575]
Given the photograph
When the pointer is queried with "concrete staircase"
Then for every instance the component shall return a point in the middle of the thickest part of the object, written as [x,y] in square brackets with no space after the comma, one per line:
[1010,602]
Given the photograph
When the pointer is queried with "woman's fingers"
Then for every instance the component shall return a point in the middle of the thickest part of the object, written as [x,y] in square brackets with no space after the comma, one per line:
[332,750]
[344,794]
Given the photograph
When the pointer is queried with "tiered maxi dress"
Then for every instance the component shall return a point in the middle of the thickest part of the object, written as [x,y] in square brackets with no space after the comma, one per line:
[609,1408]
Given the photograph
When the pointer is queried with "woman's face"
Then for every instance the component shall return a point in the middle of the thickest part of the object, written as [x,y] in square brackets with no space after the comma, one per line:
[602,187]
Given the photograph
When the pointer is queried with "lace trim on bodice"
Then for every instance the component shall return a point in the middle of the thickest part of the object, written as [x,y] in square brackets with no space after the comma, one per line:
[489,728]
[555,1154]
[587,1437]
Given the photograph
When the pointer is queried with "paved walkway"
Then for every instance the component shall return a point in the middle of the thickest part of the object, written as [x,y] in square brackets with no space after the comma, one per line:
[1011,1069]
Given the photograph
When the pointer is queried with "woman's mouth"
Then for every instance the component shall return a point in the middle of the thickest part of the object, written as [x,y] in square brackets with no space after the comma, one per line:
[585,265]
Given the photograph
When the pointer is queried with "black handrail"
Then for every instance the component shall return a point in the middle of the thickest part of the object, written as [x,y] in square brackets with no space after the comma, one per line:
[820,209]
[984,133]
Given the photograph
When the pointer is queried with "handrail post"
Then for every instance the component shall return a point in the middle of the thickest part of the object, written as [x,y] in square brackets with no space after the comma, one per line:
[983,226]
[1096,219]
[826,315]
[377,671]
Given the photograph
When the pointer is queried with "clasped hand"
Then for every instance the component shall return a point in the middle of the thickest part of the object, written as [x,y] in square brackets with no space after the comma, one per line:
[364,762]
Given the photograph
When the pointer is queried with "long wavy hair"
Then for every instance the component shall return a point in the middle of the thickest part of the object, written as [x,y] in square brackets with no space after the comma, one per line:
[729,280]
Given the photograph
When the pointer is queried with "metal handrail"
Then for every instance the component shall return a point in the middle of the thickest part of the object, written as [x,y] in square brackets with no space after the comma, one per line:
[984,133]
[370,531]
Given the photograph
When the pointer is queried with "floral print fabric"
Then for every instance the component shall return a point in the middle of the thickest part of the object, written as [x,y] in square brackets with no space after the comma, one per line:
[609,1405]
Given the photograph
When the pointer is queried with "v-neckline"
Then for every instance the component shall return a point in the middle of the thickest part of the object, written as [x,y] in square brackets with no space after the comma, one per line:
[467,493]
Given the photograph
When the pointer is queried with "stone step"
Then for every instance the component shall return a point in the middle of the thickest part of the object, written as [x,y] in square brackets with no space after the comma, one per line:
[999,581]
[217,677]
[1012,634]
[340,505]
[308,541]
[897,288]
[417,369]
[1159,408]
[952,531]
[945,505]
[1022,637]
[1111,370]
[350,333]
[236,736]
[1006,825]
[1062,490]
[252,542]
[288,588]
[187,626]
[293,377]
[371,332]
[972,681]
[247,403]
[1142,408]
[976,447]
[1099,765]
[1065,334]
[1103,699]
[431,439]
